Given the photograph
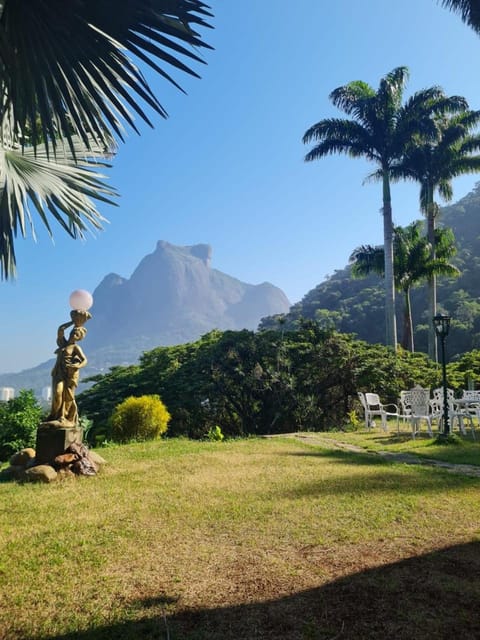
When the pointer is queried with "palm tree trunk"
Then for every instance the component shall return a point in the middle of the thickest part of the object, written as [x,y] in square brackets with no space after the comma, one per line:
[390,319]
[407,341]
[432,281]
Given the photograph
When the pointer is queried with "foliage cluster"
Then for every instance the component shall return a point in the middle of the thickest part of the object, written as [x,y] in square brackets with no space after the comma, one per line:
[143,418]
[259,383]
[19,418]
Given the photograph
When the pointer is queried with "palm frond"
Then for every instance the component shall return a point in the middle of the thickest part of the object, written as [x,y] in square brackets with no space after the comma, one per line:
[350,95]
[445,247]
[367,259]
[340,145]
[469,145]
[448,105]
[469,11]
[337,135]
[63,187]
[336,128]
[414,121]
[356,99]
[81,65]
[390,91]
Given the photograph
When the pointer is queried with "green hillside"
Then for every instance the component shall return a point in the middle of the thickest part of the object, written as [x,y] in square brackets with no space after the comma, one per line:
[357,306]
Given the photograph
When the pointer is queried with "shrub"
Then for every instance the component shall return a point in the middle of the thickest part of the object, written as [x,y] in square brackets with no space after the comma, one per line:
[139,418]
[19,419]
[88,432]
[215,434]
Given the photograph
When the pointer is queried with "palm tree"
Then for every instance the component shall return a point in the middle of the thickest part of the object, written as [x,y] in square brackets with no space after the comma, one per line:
[434,163]
[69,86]
[380,128]
[413,264]
[468,9]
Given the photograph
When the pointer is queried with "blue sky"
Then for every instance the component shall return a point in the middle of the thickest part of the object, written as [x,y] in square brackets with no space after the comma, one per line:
[227,166]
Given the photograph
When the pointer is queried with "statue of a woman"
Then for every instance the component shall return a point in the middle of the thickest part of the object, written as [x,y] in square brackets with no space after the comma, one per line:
[65,375]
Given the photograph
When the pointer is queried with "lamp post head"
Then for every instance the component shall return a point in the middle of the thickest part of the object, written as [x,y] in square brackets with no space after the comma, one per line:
[80,301]
[442,325]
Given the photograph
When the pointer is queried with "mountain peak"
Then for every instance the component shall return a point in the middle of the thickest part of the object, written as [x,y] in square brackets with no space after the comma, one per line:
[201,251]
[172,297]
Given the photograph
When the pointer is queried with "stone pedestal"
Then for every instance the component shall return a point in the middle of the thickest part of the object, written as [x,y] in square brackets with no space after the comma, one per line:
[52,442]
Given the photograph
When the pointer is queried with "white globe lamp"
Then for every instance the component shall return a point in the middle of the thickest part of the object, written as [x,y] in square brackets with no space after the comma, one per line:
[80,300]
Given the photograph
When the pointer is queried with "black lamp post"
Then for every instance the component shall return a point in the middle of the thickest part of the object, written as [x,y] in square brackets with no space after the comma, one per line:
[442,327]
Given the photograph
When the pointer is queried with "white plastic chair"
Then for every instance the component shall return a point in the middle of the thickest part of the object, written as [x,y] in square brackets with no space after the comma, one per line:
[373,407]
[470,402]
[455,411]
[405,408]
[418,399]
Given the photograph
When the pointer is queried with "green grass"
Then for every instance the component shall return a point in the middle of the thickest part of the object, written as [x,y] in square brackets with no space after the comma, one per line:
[464,450]
[258,538]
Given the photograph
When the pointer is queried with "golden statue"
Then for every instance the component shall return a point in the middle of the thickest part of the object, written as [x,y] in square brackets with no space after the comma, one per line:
[66,371]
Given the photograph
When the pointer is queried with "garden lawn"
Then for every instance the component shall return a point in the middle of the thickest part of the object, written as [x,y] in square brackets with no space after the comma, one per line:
[465,450]
[259,539]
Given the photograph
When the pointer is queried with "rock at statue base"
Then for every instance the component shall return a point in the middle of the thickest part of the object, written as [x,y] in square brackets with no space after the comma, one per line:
[52,441]
[41,473]
[64,473]
[83,465]
[23,457]
[65,459]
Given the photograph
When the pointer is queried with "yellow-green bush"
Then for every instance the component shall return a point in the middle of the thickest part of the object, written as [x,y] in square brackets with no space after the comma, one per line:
[142,418]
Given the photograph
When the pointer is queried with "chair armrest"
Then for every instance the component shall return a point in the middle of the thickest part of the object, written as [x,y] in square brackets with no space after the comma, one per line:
[390,408]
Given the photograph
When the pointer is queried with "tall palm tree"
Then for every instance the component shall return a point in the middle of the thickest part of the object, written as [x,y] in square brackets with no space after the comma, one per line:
[469,11]
[68,86]
[413,263]
[434,163]
[380,128]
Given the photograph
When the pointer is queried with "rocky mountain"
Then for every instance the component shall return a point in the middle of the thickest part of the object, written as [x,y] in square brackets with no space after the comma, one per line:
[173,296]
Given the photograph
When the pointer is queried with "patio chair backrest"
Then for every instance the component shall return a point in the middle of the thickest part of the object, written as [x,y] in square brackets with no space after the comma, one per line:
[438,393]
[372,400]
[438,396]
[470,394]
[405,402]
[361,397]
[419,401]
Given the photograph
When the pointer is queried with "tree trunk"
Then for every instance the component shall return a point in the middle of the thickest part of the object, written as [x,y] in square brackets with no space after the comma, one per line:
[407,341]
[432,281]
[390,319]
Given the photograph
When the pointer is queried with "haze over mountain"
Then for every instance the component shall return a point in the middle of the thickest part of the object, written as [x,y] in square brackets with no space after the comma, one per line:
[172,297]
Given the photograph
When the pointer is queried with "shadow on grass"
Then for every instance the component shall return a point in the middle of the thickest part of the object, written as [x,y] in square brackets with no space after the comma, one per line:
[401,438]
[429,597]
[387,477]
[341,455]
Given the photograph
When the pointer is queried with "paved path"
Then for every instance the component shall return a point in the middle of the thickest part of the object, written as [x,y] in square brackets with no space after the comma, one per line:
[406,458]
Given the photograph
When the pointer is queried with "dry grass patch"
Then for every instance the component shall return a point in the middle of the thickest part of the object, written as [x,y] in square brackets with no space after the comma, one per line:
[189,540]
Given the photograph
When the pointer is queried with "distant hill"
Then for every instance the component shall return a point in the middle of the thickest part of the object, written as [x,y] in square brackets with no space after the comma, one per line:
[357,305]
[172,297]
